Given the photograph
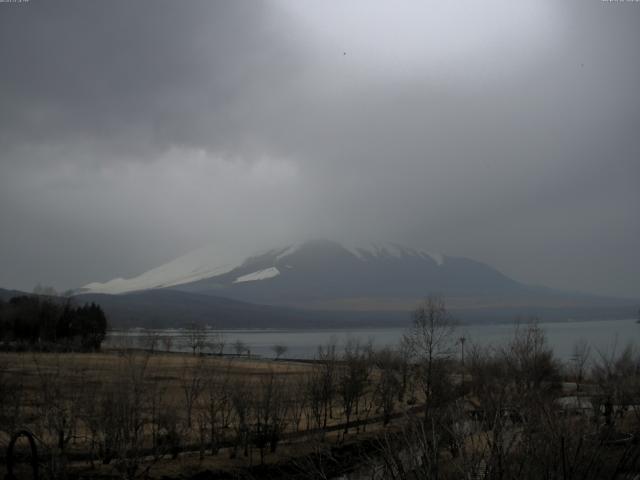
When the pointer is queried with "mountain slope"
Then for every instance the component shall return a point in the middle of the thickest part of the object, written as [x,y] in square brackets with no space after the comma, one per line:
[326,275]
[316,273]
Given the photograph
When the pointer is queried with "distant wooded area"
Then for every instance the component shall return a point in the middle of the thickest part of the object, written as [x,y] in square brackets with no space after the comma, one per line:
[43,323]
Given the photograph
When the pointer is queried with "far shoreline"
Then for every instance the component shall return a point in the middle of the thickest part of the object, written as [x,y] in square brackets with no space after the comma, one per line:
[522,321]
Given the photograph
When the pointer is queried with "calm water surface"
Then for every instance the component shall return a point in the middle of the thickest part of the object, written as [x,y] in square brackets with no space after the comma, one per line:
[604,335]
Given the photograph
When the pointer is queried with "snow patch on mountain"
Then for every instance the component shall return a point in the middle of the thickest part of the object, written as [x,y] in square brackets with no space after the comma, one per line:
[200,264]
[288,251]
[259,275]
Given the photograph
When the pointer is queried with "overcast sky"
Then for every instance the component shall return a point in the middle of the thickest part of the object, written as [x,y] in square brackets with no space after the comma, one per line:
[134,132]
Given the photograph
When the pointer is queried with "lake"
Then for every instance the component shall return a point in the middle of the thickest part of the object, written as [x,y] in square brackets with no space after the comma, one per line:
[604,335]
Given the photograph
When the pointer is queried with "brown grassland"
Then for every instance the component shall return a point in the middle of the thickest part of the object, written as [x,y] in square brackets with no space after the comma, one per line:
[54,394]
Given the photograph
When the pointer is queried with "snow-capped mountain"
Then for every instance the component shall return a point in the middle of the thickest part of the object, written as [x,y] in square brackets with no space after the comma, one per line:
[323,282]
[208,262]
[320,272]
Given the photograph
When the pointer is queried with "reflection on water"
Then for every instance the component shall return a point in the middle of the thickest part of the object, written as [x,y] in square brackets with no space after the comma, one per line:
[604,335]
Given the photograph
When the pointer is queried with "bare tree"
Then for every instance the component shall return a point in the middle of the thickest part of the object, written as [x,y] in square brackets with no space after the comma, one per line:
[279,350]
[618,378]
[167,342]
[11,398]
[404,369]
[240,347]
[216,342]
[491,384]
[58,406]
[315,399]
[353,376]
[579,362]
[157,412]
[320,463]
[325,380]
[408,453]
[126,412]
[192,385]
[387,384]
[269,413]
[431,342]
[217,405]
[196,338]
[150,341]
[242,402]
[298,400]
[530,359]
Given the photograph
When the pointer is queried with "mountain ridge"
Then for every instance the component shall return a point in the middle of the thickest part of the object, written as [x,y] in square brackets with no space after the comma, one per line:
[326,275]
[198,266]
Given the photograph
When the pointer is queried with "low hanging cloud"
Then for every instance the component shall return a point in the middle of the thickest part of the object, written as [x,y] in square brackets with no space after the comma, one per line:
[131,133]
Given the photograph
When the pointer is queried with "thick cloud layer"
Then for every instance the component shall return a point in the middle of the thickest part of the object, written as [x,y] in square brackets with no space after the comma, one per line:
[132,132]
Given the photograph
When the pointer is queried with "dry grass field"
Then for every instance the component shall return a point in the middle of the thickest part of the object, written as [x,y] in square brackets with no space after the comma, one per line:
[110,366]
[171,409]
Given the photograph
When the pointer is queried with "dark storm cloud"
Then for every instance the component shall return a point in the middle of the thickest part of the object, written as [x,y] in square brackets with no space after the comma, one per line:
[131,132]
[131,75]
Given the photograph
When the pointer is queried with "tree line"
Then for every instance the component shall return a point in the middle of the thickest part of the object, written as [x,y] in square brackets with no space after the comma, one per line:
[46,322]
[426,410]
